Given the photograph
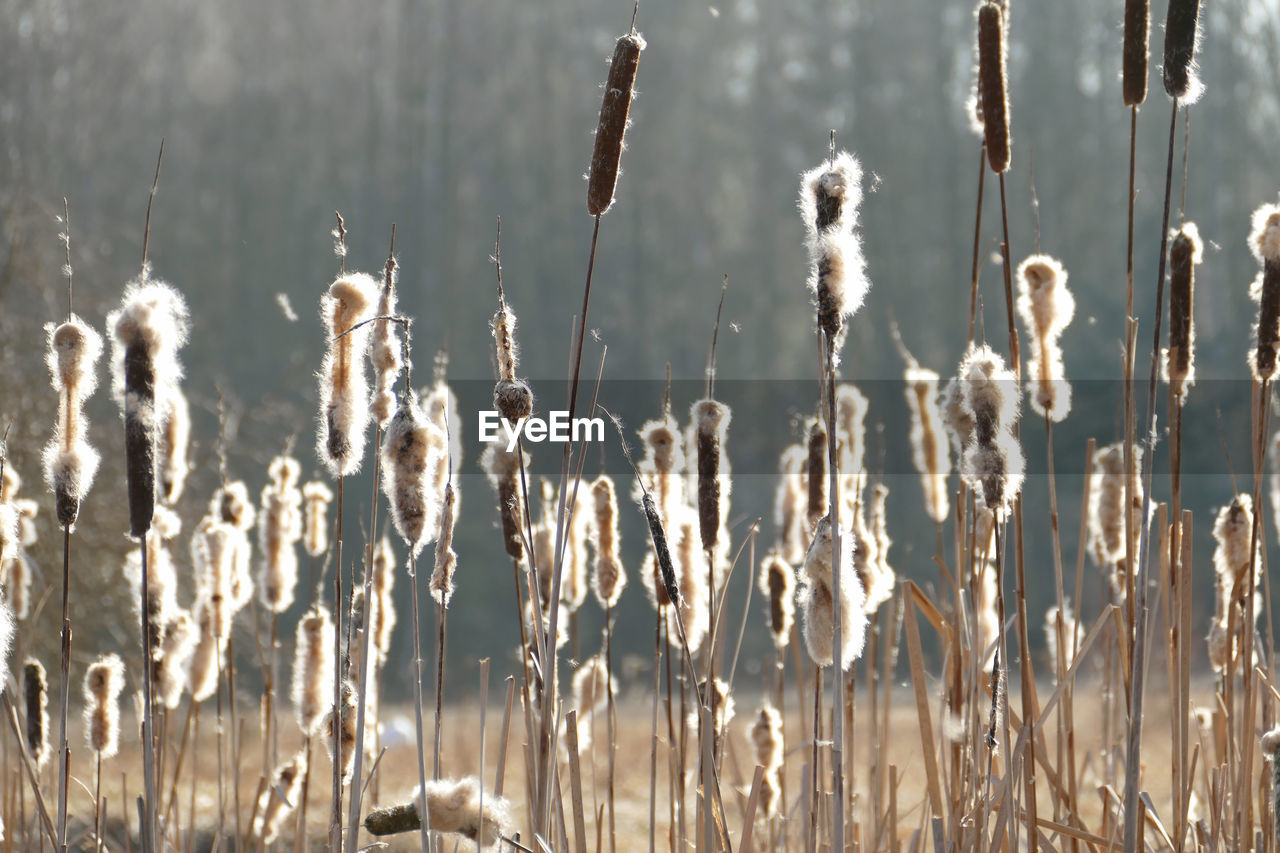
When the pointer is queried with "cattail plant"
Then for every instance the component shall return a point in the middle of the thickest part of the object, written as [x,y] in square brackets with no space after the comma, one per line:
[993,84]
[710,431]
[817,602]
[342,732]
[279,799]
[103,681]
[777,585]
[454,806]
[1181,32]
[383,614]
[316,497]
[767,737]
[35,695]
[177,644]
[608,578]
[880,579]
[1106,515]
[171,452]
[504,472]
[1232,531]
[619,89]
[279,529]
[815,472]
[829,199]
[410,447]
[1046,306]
[1264,241]
[344,385]
[1185,254]
[312,668]
[206,657]
[70,463]
[993,464]
[384,352]
[148,329]
[929,450]
[593,690]
[694,600]
[1137,31]
[1062,621]
[851,428]
[16,576]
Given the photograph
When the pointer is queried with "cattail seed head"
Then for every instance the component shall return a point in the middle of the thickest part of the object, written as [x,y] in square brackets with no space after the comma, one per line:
[851,427]
[992,464]
[614,118]
[454,807]
[446,558]
[344,386]
[767,736]
[777,585]
[103,681]
[411,445]
[503,329]
[16,576]
[346,732]
[609,579]
[815,471]
[1106,516]
[574,583]
[213,550]
[147,331]
[6,638]
[693,605]
[280,797]
[175,436]
[35,693]
[316,497]
[592,687]
[829,196]
[177,644]
[1233,532]
[279,529]
[881,577]
[384,610]
[1185,253]
[928,443]
[313,668]
[955,417]
[202,671]
[1046,306]
[70,463]
[384,352]
[513,399]
[838,283]
[661,553]
[503,469]
[1181,32]
[1264,241]
[711,424]
[818,601]
[993,81]
[1137,33]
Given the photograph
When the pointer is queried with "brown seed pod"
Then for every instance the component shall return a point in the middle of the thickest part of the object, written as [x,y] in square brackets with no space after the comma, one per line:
[1179,363]
[103,681]
[711,424]
[1264,240]
[1137,32]
[815,470]
[1181,32]
[993,80]
[69,461]
[777,585]
[503,469]
[35,692]
[618,91]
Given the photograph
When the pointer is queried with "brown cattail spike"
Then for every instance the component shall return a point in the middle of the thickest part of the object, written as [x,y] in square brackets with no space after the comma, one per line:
[1137,32]
[711,424]
[69,462]
[148,329]
[103,681]
[660,549]
[1181,32]
[608,579]
[993,80]
[777,585]
[446,559]
[618,91]
[344,385]
[1179,365]
[35,692]
[1264,241]
[1046,306]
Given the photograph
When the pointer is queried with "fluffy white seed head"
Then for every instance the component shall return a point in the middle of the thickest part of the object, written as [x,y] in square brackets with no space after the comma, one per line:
[830,194]
[153,317]
[312,686]
[279,529]
[777,584]
[103,681]
[70,463]
[344,384]
[1046,306]
[384,353]
[608,578]
[411,446]
[928,442]
[818,600]
[316,497]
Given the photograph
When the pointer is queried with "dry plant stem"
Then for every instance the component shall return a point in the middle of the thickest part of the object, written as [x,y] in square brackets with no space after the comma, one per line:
[417,705]
[64,750]
[1029,710]
[977,239]
[653,733]
[611,725]
[441,614]
[151,834]
[335,802]
[1133,756]
[1244,803]
[815,792]
[833,492]
[1130,340]
[97,799]
[550,689]
[300,832]
[12,714]
[357,789]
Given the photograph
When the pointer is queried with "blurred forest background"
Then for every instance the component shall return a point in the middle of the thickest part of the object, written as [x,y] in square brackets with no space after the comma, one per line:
[441,115]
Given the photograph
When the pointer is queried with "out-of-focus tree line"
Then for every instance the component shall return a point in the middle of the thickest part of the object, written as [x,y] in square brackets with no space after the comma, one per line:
[441,115]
